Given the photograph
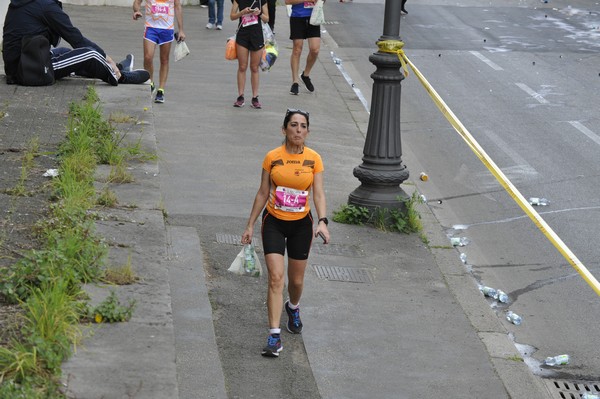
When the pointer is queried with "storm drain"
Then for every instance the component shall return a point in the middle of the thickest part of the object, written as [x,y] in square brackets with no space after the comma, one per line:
[346,274]
[331,23]
[337,249]
[572,389]
[233,239]
[229,239]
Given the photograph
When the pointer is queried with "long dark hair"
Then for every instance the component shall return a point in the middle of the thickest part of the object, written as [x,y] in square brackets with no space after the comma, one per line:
[290,112]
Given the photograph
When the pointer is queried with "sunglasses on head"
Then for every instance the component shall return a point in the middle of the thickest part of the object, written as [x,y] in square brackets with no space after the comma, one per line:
[296,111]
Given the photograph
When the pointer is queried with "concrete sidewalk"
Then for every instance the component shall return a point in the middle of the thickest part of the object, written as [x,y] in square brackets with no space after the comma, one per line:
[385,315]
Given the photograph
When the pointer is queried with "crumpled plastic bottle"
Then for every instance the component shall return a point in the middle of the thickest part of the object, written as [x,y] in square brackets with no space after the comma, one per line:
[513,318]
[535,201]
[557,360]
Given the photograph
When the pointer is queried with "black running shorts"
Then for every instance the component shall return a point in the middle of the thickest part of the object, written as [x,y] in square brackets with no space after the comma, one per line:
[296,235]
[300,28]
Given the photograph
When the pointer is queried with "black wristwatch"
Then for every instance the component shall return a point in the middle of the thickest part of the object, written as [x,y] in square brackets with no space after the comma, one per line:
[324,220]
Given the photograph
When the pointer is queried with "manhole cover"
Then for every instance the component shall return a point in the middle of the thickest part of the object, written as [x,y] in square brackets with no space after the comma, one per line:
[572,389]
[337,249]
[347,274]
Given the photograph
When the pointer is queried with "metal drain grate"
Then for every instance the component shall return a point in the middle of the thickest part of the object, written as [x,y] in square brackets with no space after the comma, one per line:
[229,239]
[347,274]
[331,23]
[572,389]
[337,249]
[233,239]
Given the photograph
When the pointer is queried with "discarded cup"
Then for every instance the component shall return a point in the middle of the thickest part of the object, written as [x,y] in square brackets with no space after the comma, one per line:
[423,176]
[535,201]
[423,198]
[489,291]
[459,241]
[51,173]
[513,318]
[557,360]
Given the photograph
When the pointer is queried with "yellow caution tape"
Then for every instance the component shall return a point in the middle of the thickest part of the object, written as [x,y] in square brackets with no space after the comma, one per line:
[395,47]
[502,179]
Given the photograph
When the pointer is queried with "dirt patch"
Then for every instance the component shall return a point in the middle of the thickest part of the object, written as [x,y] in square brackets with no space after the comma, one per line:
[28,113]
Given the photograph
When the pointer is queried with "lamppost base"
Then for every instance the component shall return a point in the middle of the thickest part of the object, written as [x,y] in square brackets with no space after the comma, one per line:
[376,197]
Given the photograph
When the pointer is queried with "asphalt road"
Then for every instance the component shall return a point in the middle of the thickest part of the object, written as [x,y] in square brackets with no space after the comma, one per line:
[523,78]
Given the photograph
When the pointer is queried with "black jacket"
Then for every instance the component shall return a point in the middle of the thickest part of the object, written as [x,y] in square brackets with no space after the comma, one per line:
[37,17]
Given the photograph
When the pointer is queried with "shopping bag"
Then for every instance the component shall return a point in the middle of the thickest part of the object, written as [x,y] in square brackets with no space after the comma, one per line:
[246,262]
[269,56]
[181,50]
[230,50]
[317,17]
[267,33]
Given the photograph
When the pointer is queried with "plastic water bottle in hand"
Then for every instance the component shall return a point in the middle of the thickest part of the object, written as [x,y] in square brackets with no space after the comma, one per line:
[249,262]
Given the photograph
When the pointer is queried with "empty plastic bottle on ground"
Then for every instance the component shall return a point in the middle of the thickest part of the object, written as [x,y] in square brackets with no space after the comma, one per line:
[459,241]
[513,317]
[587,395]
[489,292]
[538,201]
[557,360]
[502,297]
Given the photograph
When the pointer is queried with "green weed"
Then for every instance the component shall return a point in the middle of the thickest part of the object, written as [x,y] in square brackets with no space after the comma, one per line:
[111,310]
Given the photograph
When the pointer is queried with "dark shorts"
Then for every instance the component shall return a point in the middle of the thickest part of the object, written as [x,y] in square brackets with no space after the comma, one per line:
[252,39]
[300,28]
[296,236]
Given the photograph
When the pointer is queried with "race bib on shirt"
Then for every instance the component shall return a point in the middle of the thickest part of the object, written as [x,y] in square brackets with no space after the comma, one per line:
[160,9]
[249,19]
[290,200]
[309,4]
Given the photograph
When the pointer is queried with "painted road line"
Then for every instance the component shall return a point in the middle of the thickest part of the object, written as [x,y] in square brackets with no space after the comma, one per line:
[591,135]
[532,93]
[486,60]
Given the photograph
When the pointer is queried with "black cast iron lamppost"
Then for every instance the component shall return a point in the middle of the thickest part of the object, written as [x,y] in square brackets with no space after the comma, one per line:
[382,171]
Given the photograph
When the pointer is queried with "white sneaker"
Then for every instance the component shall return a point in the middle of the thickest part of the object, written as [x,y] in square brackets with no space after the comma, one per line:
[210,26]
[219,27]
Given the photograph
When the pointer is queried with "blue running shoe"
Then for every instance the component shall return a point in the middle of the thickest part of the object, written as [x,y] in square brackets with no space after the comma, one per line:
[273,346]
[294,324]
[160,96]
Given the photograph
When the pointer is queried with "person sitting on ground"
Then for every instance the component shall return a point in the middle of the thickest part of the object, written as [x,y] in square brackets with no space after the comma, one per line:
[46,20]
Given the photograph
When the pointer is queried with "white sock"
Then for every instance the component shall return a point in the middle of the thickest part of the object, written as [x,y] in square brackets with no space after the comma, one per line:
[274,330]
[292,306]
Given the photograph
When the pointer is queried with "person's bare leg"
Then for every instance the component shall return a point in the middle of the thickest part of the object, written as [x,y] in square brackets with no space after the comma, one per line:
[295,59]
[276,269]
[314,46]
[165,53]
[149,48]
[296,269]
[242,56]
[255,57]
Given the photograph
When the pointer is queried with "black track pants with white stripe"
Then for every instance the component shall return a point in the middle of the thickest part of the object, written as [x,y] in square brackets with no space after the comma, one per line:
[85,62]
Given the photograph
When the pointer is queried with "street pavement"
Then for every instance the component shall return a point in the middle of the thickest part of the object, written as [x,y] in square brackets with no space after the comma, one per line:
[402,318]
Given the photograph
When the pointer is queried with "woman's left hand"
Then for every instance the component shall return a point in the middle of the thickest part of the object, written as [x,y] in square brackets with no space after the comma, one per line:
[322,229]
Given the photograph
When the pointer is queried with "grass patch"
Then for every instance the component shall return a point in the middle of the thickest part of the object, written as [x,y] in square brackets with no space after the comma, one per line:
[107,198]
[406,219]
[121,275]
[47,282]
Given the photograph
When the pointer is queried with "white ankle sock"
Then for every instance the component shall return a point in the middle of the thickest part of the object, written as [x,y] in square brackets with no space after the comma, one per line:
[274,330]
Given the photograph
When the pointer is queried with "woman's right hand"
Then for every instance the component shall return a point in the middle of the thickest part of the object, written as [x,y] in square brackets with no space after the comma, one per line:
[247,236]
